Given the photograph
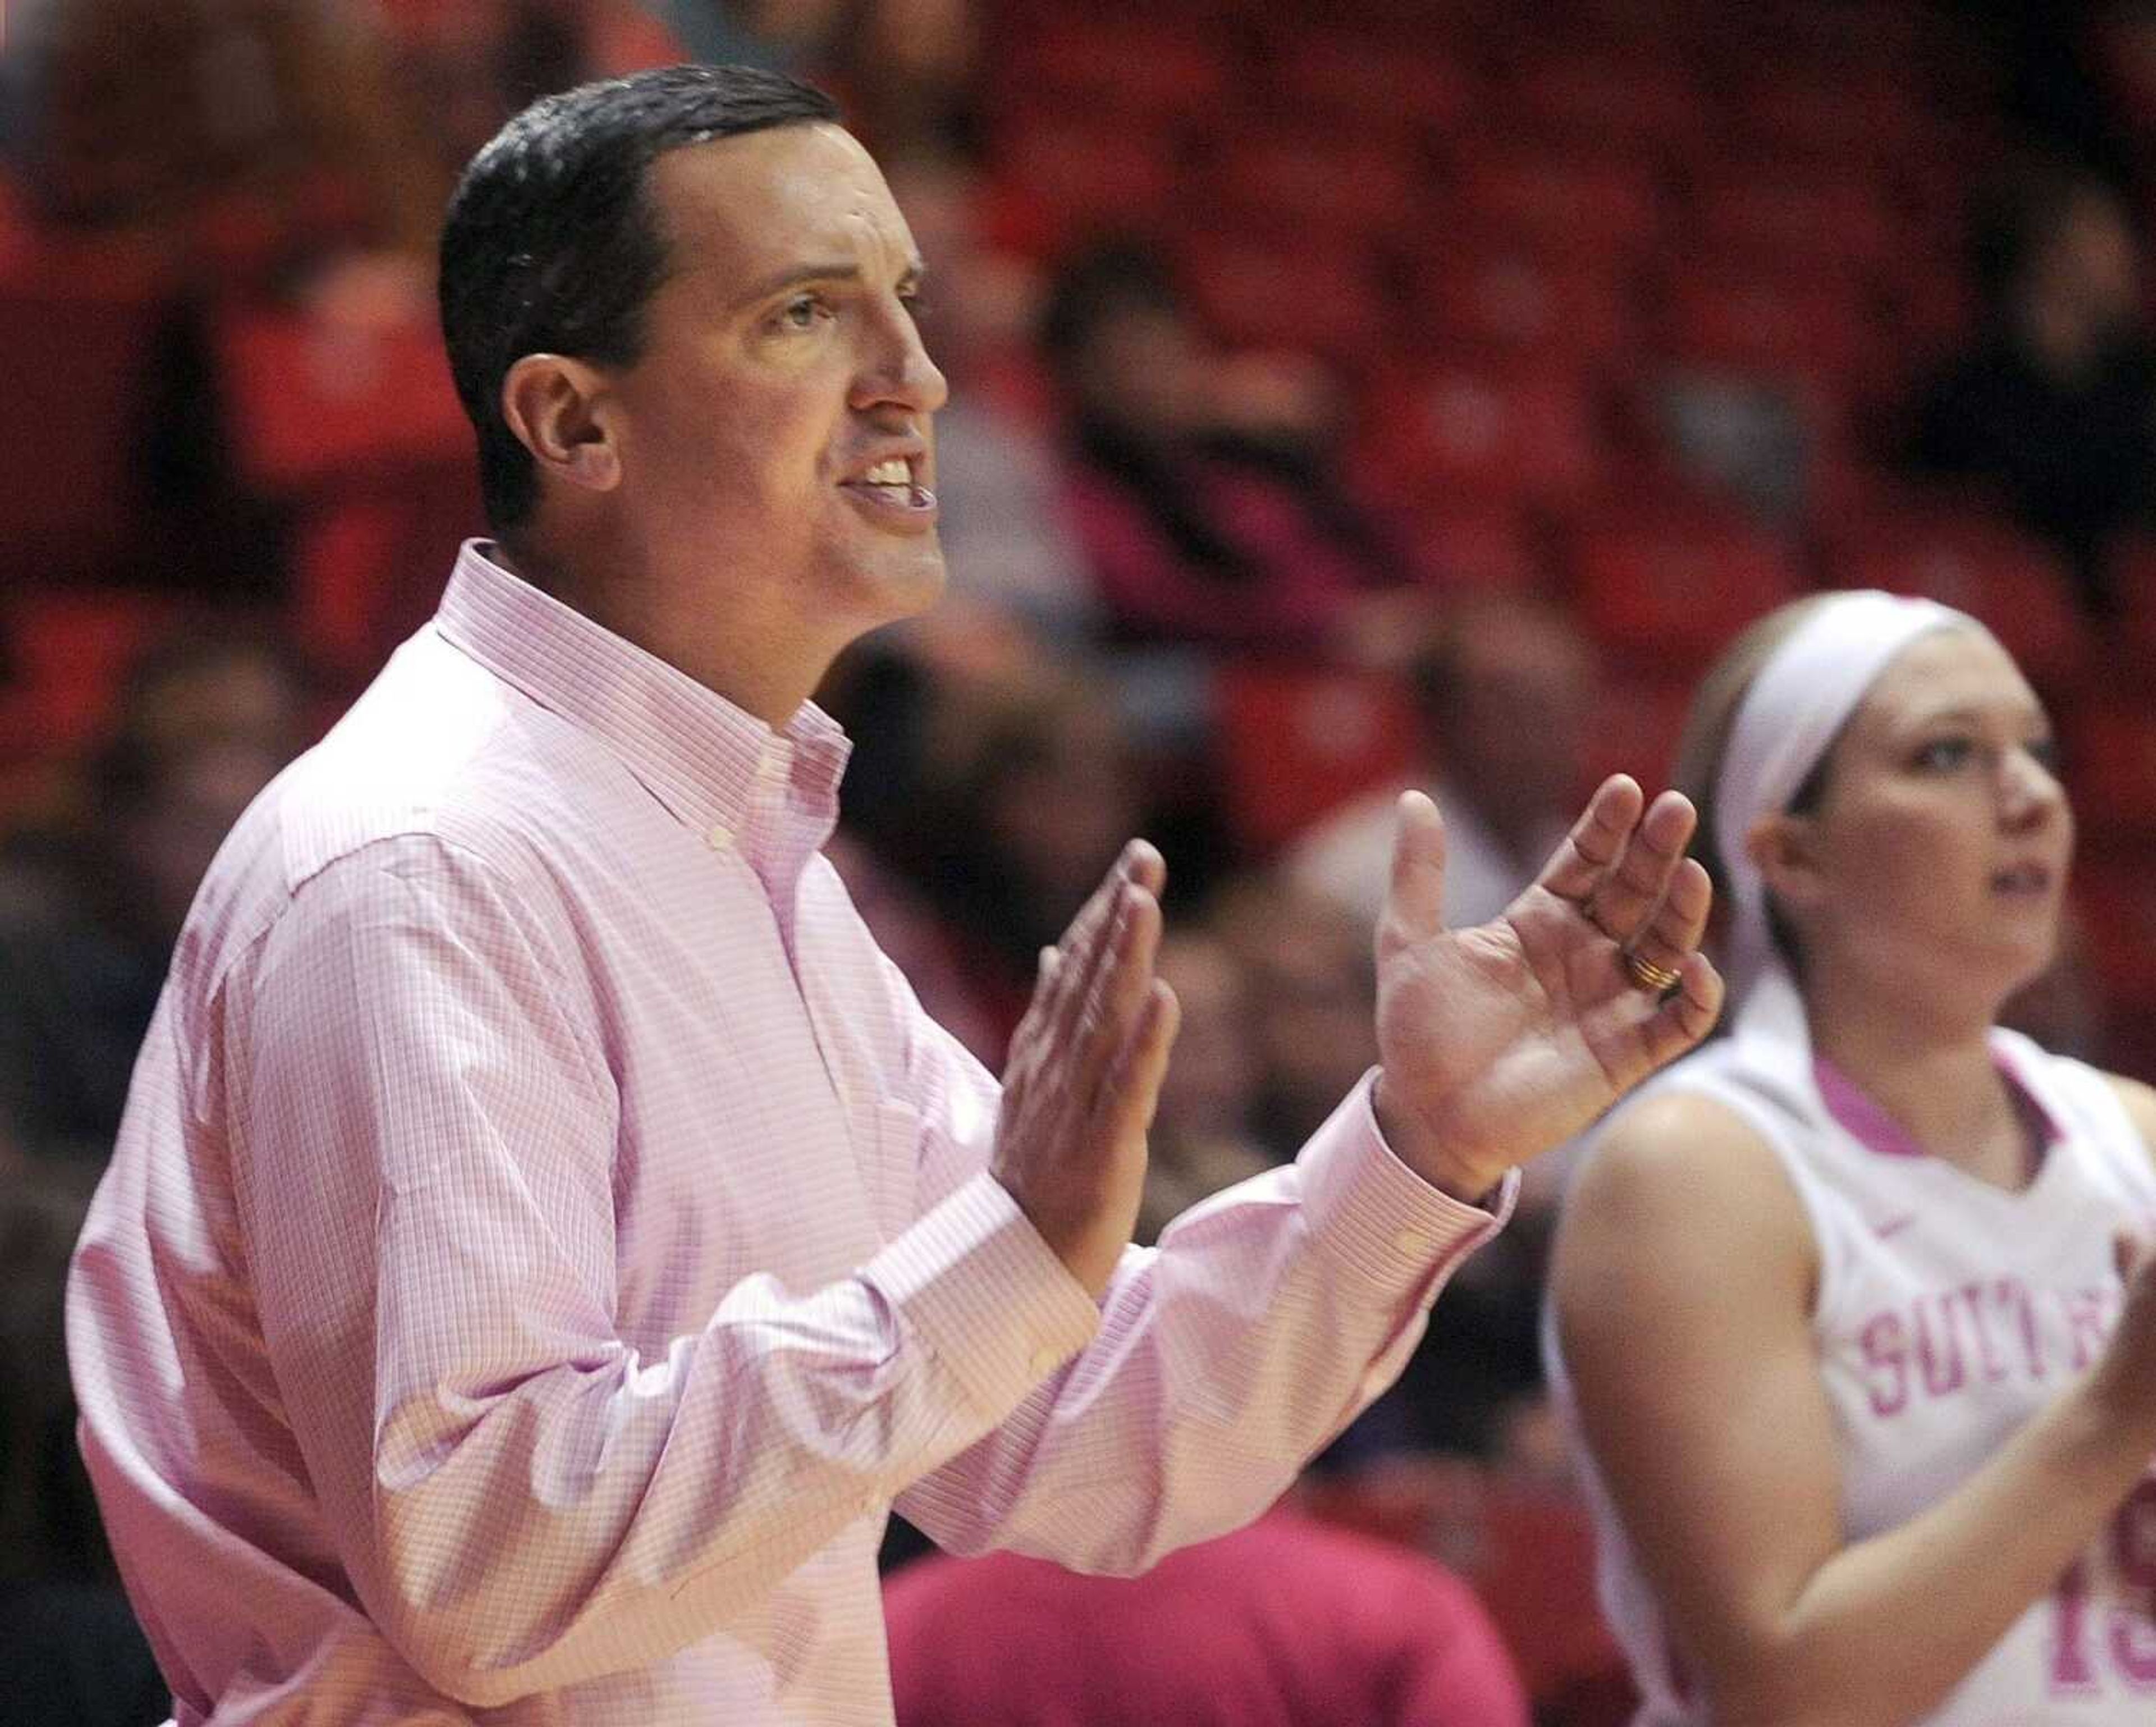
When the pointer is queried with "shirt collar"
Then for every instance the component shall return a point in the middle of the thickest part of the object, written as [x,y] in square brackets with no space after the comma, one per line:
[722,773]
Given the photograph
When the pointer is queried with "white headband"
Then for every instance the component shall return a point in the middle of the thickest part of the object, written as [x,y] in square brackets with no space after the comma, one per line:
[1796,704]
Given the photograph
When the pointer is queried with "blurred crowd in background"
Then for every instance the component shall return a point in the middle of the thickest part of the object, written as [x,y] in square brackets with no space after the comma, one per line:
[1344,396]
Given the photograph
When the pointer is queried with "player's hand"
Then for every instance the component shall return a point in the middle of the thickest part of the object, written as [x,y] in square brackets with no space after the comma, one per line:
[1084,1071]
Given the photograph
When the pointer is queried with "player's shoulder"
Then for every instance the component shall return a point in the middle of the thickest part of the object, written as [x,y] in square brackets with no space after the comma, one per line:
[1675,1153]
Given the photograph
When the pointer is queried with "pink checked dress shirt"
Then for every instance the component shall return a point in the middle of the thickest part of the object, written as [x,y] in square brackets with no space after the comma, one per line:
[546,1237]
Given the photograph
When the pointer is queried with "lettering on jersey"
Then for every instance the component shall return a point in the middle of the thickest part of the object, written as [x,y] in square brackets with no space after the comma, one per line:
[1981,1334]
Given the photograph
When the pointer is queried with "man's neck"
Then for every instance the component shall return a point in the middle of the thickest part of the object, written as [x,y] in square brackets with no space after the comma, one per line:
[743,659]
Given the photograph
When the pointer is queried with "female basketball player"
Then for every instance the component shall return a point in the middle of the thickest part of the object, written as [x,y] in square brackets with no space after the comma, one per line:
[1840,1306]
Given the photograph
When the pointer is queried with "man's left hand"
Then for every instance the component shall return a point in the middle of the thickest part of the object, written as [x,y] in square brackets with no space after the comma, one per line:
[1502,1040]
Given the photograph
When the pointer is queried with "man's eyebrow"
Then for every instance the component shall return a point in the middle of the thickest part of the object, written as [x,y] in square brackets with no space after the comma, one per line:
[801,273]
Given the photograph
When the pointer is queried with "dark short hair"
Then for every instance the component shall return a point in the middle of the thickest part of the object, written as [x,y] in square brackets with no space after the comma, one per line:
[552,245]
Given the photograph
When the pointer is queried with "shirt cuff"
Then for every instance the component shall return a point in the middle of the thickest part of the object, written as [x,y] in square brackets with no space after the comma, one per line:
[1370,1210]
[975,1281]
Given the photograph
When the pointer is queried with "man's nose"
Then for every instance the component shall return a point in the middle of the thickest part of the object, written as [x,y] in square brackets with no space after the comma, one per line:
[899,371]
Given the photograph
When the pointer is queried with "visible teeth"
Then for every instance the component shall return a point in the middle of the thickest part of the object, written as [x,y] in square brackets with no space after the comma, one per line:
[895,472]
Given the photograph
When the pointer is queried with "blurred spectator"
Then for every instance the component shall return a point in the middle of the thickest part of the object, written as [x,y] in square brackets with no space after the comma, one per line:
[71,1646]
[1006,540]
[904,70]
[1313,980]
[462,70]
[1201,488]
[2056,407]
[88,911]
[1505,691]
[1038,791]
[139,113]
[1287,1623]
[1201,1140]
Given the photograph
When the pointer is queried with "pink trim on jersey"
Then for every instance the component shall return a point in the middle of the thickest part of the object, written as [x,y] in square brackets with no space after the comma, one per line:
[1866,1121]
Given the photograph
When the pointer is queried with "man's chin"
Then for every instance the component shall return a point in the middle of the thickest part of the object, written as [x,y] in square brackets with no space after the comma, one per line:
[908,586]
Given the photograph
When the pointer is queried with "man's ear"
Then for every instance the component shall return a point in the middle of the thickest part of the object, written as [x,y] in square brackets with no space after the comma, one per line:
[562,411]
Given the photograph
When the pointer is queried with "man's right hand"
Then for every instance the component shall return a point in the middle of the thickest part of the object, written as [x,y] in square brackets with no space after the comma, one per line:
[1084,1071]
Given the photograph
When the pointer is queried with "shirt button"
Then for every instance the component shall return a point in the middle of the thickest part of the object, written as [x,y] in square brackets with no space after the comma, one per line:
[720,837]
[1043,1362]
[771,765]
[1413,1241]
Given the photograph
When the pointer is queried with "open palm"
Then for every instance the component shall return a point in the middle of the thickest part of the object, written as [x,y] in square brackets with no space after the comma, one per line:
[1501,1040]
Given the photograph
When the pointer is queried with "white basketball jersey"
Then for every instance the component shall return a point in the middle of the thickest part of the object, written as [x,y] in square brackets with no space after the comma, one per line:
[1949,1311]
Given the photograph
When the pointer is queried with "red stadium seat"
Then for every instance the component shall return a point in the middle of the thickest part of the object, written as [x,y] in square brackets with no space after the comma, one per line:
[1835,122]
[2119,912]
[1566,203]
[1371,88]
[1635,103]
[1667,590]
[1792,226]
[1320,301]
[77,326]
[1311,187]
[1637,724]
[312,405]
[368,567]
[1752,326]
[1455,430]
[1159,69]
[1476,545]
[1297,742]
[1984,566]
[1527,1549]
[1085,174]
[67,652]
[2110,767]
[1518,302]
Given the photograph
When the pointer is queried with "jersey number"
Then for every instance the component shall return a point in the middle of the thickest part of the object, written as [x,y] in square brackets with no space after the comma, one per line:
[2126,1638]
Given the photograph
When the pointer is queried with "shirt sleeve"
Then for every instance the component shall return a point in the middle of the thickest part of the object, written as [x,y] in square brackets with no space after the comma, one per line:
[1266,1319]
[425,1168]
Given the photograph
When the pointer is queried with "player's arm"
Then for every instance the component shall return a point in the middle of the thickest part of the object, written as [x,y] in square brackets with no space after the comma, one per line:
[1683,1285]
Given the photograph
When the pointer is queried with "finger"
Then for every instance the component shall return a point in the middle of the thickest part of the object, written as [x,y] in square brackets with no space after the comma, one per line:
[1595,841]
[1415,902]
[1622,903]
[1679,924]
[1679,1022]
[1094,928]
[1134,1081]
[1099,1023]
[1143,863]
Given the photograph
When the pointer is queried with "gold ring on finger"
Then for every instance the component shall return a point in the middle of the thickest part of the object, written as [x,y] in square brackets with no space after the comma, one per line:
[1646,974]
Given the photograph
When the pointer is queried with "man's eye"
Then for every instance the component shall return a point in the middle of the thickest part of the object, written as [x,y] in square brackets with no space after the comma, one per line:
[2045,750]
[1943,754]
[803,313]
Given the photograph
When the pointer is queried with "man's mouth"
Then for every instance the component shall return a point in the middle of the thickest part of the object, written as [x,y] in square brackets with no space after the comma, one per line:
[893,482]
[891,496]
